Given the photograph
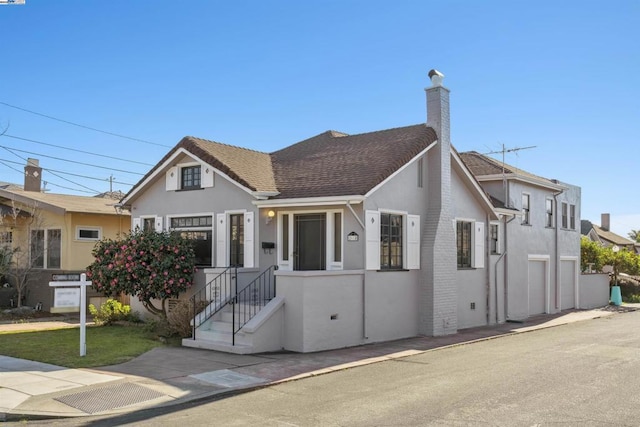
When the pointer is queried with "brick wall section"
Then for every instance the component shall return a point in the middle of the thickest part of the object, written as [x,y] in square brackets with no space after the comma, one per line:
[438,291]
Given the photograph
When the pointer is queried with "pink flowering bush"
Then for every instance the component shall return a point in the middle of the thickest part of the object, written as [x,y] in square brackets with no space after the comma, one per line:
[146,264]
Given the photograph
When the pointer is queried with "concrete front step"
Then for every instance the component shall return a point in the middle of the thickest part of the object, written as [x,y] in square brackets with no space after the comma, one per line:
[241,314]
[217,346]
[221,336]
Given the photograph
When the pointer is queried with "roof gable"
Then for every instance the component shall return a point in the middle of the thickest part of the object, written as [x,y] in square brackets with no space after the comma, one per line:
[326,165]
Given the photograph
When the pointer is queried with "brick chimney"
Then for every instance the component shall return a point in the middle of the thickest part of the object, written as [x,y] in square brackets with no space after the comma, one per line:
[32,175]
[438,289]
[605,222]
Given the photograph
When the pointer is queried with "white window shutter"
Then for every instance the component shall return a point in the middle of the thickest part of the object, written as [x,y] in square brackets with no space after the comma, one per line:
[478,245]
[221,240]
[372,221]
[413,242]
[158,225]
[248,239]
[172,179]
[136,223]
[206,176]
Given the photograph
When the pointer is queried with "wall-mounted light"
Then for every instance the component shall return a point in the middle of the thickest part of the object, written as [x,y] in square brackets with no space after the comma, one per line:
[270,215]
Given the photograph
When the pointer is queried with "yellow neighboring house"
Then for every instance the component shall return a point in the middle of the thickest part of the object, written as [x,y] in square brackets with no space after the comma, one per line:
[52,235]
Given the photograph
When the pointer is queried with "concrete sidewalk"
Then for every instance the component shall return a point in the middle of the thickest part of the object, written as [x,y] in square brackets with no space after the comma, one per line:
[173,375]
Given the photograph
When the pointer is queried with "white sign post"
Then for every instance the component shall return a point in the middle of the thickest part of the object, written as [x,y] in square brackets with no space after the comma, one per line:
[69,299]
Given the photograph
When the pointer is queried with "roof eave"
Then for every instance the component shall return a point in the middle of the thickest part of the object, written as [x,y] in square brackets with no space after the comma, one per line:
[32,203]
[522,178]
[309,201]
[474,183]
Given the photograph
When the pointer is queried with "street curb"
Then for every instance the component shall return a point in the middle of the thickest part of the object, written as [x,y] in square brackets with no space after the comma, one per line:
[221,394]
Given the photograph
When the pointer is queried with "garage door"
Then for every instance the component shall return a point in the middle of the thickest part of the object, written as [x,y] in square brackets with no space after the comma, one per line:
[567,284]
[537,277]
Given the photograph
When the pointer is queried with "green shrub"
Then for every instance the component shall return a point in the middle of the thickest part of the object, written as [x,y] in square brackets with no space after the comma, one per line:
[633,299]
[112,311]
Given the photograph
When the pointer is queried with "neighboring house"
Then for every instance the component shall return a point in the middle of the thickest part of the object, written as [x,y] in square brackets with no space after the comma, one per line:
[540,265]
[376,236]
[54,233]
[603,235]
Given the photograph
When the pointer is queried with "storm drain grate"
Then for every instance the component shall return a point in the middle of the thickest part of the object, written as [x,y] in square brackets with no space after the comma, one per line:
[106,398]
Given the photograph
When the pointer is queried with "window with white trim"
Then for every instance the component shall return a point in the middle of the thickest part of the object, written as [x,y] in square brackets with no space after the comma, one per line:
[572,217]
[45,248]
[199,231]
[565,215]
[234,239]
[149,224]
[190,177]
[463,243]
[392,240]
[494,238]
[88,233]
[549,213]
[470,244]
[526,198]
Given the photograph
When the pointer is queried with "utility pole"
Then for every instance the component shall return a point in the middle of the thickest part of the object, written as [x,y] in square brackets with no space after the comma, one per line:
[504,177]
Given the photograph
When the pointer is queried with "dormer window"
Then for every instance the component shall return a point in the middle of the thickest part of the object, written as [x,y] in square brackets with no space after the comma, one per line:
[190,178]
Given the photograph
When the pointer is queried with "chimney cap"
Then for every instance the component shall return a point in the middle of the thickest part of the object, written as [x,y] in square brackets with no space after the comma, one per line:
[436,77]
[33,162]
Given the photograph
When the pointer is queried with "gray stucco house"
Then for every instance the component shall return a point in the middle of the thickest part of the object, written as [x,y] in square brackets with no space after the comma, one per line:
[375,236]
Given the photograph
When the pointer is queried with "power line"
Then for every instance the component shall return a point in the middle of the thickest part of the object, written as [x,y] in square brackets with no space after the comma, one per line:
[11,149]
[83,126]
[61,177]
[10,167]
[72,189]
[76,150]
[59,171]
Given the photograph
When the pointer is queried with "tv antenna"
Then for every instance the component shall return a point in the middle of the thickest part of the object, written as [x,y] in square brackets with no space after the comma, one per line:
[504,151]
[111,179]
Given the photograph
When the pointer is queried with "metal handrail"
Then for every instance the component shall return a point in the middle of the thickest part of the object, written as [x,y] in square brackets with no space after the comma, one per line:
[252,298]
[213,297]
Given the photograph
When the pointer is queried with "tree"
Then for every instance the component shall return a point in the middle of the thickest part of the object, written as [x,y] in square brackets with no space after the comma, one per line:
[622,261]
[591,255]
[634,235]
[19,222]
[150,265]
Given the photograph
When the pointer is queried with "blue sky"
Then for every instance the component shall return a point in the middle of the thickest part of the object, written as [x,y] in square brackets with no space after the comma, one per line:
[560,76]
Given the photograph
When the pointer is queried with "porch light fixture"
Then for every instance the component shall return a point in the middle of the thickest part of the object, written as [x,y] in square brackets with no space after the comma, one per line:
[270,215]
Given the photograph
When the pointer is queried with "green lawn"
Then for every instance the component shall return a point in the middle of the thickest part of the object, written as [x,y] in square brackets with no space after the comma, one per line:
[106,345]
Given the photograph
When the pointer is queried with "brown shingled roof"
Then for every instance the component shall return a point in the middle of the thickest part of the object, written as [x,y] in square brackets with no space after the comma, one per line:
[481,165]
[248,167]
[329,164]
[336,164]
[612,237]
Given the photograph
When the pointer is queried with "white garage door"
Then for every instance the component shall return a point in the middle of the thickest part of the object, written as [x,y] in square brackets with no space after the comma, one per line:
[537,278]
[567,284]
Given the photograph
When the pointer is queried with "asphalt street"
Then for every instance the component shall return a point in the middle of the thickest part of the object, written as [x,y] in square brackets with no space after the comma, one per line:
[582,374]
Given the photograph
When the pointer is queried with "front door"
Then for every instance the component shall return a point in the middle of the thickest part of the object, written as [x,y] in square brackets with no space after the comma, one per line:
[309,242]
